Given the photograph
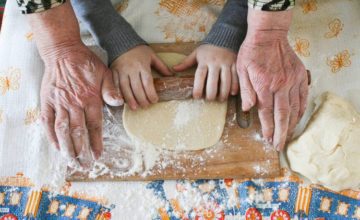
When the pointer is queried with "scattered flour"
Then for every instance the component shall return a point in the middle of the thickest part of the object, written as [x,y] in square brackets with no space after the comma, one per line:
[186,112]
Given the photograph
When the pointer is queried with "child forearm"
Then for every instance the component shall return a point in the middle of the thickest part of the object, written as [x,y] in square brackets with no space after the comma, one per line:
[230,28]
[110,30]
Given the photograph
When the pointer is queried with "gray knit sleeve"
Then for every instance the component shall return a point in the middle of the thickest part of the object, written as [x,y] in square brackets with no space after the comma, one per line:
[229,30]
[114,34]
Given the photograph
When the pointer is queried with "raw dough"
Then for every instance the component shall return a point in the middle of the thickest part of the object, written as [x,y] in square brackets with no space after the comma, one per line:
[177,125]
[328,152]
[171,59]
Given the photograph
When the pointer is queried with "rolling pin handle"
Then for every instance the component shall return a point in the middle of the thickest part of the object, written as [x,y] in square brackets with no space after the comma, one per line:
[243,118]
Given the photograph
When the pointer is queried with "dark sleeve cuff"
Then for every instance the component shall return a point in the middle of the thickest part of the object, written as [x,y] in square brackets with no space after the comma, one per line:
[119,41]
[111,31]
[227,36]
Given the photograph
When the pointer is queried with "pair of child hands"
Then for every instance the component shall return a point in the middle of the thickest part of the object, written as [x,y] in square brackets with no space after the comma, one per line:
[215,76]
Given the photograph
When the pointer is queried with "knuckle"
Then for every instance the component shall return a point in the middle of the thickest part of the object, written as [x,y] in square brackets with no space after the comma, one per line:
[123,79]
[202,69]
[245,91]
[267,110]
[94,126]
[61,127]
[78,131]
[46,119]
[148,82]
[295,107]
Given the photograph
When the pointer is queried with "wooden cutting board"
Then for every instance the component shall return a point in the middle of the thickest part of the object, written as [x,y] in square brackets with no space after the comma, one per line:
[239,154]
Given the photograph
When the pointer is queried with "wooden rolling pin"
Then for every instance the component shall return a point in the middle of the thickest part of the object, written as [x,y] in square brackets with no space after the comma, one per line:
[181,87]
[174,88]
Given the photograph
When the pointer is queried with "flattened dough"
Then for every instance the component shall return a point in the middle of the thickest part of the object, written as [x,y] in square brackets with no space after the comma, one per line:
[177,125]
[328,152]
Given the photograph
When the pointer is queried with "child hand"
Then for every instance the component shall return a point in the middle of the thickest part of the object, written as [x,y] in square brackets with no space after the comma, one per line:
[132,74]
[216,68]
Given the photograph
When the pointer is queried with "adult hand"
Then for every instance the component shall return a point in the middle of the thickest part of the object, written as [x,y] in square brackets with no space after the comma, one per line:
[272,76]
[132,74]
[71,103]
[216,72]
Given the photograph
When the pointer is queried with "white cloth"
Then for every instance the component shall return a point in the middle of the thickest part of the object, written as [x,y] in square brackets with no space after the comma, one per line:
[23,147]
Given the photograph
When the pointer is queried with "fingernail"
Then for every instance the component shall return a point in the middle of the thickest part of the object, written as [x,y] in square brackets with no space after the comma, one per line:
[96,154]
[277,148]
[56,146]
[116,102]
[269,140]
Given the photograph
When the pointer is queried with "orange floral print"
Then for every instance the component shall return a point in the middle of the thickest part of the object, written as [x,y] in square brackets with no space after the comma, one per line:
[339,61]
[177,208]
[9,81]
[1,116]
[120,7]
[335,27]
[302,47]
[163,214]
[32,116]
[29,36]
[309,5]
[185,20]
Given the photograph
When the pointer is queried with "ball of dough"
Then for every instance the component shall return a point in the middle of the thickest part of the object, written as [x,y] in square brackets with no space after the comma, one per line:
[328,152]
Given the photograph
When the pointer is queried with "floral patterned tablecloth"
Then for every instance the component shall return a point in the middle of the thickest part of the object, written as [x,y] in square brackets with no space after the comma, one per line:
[326,36]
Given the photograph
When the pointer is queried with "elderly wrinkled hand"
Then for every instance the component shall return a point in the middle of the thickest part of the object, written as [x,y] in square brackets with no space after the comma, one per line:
[272,77]
[71,102]
[74,85]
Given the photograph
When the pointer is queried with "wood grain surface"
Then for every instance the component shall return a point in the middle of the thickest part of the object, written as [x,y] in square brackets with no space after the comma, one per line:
[239,154]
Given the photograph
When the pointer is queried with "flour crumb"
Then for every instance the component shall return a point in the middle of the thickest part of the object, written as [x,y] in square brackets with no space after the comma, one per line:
[186,112]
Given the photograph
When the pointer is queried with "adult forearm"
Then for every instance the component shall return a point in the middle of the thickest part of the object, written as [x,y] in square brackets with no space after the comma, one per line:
[266,26]
[54,29]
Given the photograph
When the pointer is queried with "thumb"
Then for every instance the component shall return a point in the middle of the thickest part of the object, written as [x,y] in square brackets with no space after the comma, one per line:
[160,66]
[188,62]
[110,93]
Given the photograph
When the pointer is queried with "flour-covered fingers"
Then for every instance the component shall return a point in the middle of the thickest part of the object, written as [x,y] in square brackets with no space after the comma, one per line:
[234,81]
[294,100]
[225,83]
[78,132]
[266,114]
[148,84]
[160,66]
[212,83]
[62,130]
[199,81]
[281,118]
[110,93]
[93,117]
[48,121]
[127,92]
[138,90]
